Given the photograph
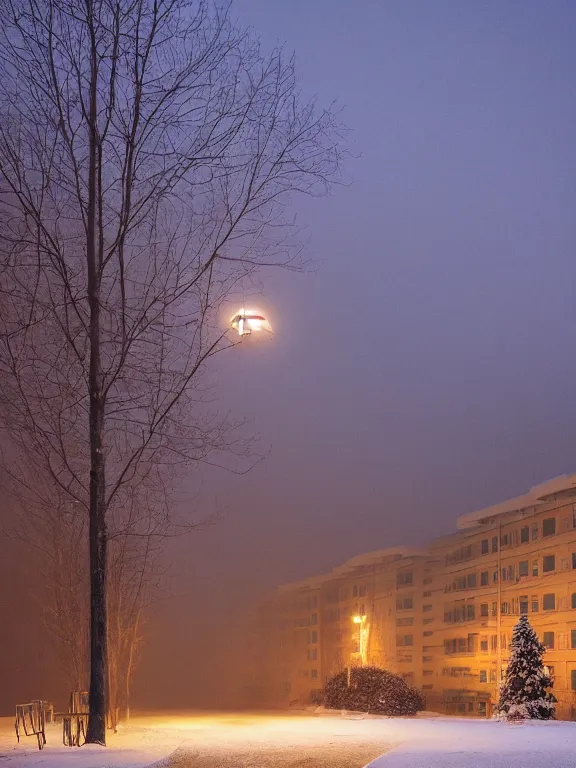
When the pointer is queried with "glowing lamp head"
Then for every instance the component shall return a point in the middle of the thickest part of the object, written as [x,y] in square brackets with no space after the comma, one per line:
[247,321]
[357,619]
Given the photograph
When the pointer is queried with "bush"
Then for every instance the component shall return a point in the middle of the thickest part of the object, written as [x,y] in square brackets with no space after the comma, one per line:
[372,690]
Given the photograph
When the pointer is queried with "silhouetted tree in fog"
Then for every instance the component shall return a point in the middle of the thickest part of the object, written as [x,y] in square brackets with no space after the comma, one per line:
[147,151]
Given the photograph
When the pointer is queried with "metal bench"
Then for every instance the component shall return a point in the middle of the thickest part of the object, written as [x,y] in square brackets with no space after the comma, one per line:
[74,726]
[31,720]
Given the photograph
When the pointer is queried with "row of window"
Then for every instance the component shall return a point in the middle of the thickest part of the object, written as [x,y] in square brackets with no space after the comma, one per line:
[513,572]
[520,605]
[522,535]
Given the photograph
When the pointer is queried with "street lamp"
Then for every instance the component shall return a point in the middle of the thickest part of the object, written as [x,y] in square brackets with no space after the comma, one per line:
[359,621]
[248,321]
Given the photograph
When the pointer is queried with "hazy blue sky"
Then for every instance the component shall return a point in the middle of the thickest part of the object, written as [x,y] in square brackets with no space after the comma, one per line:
[428,367]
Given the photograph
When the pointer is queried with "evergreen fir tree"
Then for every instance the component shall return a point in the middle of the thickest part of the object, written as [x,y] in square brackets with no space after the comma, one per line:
[524,694]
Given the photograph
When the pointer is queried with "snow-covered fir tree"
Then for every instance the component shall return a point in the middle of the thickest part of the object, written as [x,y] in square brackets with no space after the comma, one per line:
[524,693]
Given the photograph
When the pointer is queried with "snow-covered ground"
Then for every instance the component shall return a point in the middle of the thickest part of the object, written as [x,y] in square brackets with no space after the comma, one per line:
[446,742]
[299,740]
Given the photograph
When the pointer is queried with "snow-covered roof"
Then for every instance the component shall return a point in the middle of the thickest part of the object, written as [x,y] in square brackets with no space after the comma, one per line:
[537,495]
[358,561]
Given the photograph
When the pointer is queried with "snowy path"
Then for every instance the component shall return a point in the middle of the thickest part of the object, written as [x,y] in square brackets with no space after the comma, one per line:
[284,742]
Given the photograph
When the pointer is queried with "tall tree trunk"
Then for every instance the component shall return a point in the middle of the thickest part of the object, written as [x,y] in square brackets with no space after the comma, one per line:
[96,733]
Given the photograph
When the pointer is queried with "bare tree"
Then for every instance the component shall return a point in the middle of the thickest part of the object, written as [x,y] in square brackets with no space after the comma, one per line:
[147,152]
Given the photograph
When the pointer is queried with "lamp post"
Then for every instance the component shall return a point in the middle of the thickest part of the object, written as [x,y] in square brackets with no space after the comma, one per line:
[359,620]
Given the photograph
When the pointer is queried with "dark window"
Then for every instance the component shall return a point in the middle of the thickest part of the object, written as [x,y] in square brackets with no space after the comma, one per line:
[495,544]
[428,633]
[523,568]
[314,674]
[404,640]
[470,613]
[427,687]
[549,602]
[504,540]
[523,604]
[484,546]
[361,591]
[404,579]
[484,644]
[471,581]
[483,676]
[549,526]
[573,559]
[573,679]
[427,607]
[548,563]
[314,637]
[355,592]
[534,567]
[484,579]
[492,675]
[484,609]
[426,594]
[314,618]
[314,654]
[548,639]
[524,534]
[535,532]
[404,604]
[534,605]
[573,599]
[573,638]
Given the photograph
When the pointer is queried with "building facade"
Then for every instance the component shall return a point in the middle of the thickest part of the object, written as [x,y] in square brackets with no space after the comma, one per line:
[442,617]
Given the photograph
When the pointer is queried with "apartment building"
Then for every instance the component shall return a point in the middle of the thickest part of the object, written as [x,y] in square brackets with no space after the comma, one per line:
[441,617]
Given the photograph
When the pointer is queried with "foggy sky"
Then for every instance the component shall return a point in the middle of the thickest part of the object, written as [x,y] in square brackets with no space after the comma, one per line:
[425,367]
